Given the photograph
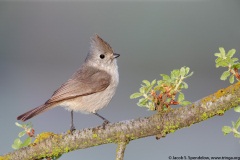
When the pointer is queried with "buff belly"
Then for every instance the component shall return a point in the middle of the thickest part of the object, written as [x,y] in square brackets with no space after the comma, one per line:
[90,103]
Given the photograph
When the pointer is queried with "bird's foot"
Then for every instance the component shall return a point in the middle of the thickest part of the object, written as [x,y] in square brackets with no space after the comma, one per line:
[72,128]
[105,123]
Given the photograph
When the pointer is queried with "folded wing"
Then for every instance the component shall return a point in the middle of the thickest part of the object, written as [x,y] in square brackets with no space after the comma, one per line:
[88,80]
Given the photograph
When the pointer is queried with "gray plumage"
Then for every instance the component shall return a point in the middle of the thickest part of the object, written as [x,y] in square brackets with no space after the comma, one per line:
[90,88]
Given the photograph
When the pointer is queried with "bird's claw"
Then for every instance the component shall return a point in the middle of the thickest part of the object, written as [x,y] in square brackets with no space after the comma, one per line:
[72,128]
[105,123]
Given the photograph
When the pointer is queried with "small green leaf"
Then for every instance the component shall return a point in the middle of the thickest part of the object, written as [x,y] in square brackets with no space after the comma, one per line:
[142,102]
[17,143]
[217,54]
[234,59]
[225,75]
[237,109]
[142,90]
[237,65]
[222,64]
[185,85]
[236,135]
[231,53]
[237,124]
[231,79]
[180,97]
[172,75]
[187,69]
[233,123]
[153,82]
[175,73]
[148,89]
[182,71]
[19,125]
[165,77]
[226,130]
[146,82]
[21,133]
[26,142]
[229,61]
[14,146]
[189,75]
[217,64]
[136,95]
[185,103]
[160,82]
[157,88]
[222,51]
[218,60]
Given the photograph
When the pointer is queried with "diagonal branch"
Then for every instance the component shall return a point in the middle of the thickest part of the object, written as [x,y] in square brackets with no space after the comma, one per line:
[158,124]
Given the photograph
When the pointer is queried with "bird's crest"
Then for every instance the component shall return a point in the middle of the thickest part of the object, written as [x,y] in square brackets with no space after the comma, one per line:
[99,44]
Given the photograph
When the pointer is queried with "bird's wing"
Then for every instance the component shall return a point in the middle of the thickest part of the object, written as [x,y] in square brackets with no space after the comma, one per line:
[86,81]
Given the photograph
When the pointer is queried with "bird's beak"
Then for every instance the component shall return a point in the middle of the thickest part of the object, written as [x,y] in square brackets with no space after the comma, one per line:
[116,55]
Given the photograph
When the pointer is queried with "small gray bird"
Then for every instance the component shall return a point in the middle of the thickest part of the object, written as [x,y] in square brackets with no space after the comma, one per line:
[90,88]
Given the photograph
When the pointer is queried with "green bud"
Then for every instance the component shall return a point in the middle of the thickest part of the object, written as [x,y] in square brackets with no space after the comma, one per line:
[226,130]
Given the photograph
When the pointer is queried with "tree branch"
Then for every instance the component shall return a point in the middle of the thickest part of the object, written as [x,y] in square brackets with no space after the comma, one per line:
[159,124]
[121,148]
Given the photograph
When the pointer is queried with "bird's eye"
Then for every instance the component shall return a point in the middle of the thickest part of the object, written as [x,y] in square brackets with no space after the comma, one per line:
[102,56]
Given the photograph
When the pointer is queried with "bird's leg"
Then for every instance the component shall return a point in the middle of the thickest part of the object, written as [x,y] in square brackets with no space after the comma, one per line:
[104,119]
[72,128]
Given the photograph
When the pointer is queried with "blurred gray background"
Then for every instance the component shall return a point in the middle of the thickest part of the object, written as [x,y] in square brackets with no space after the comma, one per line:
[43,43]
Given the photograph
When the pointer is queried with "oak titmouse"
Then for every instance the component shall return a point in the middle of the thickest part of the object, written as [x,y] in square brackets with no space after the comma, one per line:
[90,88]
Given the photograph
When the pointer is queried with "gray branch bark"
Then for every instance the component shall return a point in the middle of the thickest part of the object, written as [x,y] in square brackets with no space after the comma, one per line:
[121,149]
[159,124]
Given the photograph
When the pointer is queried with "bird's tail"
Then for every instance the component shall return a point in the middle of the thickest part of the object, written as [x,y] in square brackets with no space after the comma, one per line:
[34,112]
